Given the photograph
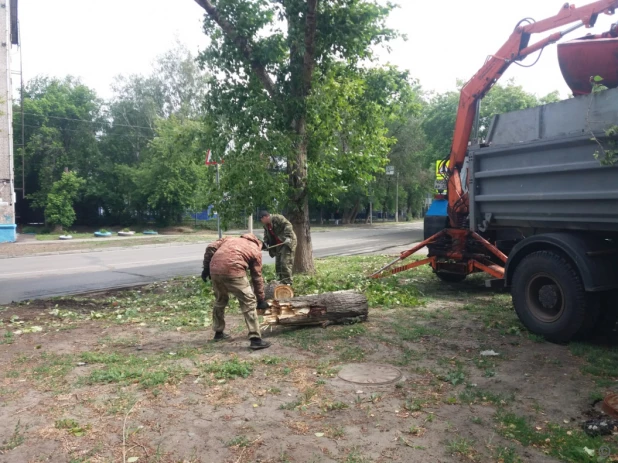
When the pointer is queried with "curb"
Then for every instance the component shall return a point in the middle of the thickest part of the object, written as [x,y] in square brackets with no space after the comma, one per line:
[118,248]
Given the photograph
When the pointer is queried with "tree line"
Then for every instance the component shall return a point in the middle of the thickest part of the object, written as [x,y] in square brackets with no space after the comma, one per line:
[289,95]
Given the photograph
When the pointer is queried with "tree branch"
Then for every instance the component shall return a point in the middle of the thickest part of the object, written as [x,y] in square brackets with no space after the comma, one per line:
[243,45]
[309,58]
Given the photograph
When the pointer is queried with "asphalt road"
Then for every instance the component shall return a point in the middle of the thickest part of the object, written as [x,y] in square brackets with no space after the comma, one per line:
[36,277]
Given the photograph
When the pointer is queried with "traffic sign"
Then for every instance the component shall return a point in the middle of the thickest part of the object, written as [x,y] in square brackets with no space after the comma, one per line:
[209,161]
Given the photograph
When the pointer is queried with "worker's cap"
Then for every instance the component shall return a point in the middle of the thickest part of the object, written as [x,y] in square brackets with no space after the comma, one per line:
[251,237]
[263,214]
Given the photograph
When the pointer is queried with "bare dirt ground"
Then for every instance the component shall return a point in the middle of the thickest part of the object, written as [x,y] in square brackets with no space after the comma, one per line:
[131,376]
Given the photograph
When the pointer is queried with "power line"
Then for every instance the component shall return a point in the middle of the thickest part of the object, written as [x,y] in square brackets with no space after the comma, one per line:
[130,137]
[91,122]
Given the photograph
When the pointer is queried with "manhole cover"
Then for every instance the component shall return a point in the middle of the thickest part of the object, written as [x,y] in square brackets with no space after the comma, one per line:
[370,374]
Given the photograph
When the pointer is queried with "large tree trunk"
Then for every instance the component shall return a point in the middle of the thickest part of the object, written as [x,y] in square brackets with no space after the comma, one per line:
[355,211]
[299,213]
[319,309]
[302,57]
[350,214]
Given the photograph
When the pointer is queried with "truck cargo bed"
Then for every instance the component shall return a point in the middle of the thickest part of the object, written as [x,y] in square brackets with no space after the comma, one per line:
[540,172]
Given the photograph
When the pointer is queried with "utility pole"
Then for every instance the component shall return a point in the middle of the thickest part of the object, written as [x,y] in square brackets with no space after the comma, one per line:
[209,162]
[397,198]
[390,170]
[218,214]
[370,207]
[7,188]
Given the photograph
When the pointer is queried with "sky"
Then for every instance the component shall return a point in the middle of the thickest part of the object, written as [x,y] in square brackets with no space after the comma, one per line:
[447,40]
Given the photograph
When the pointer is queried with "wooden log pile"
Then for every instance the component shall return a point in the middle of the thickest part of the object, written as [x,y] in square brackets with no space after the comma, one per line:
[319,309]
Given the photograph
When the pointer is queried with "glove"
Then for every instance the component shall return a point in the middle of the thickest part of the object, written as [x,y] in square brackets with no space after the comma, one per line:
[287,241]
[262,305]
[264,246]
[205,274]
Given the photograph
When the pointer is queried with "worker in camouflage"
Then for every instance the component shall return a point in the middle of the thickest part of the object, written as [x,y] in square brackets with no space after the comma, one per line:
[226,262]
[278,231]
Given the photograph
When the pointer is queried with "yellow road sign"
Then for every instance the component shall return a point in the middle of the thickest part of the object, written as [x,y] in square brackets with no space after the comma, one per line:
[440,169]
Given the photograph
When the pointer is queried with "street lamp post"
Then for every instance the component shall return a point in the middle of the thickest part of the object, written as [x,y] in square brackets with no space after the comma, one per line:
[397,197]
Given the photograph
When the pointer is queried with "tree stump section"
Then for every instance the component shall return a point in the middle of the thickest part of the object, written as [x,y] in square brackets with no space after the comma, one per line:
[270,290]
[319,309]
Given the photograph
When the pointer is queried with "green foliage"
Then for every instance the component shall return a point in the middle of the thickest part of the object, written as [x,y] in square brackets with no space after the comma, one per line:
[238,441]
[15,440]
[597,84]
[61,118]
[172,178]
[440,114]
[460,446]
[319,121]
[229,369]
[564,444]
[329,407]
[147,372]
[59,209]
[343,274]
[72,427]
[601,361]
[607,156]
[67,126]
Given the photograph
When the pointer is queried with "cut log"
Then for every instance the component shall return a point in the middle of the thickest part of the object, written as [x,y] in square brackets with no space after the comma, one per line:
[274,290]
[319,309]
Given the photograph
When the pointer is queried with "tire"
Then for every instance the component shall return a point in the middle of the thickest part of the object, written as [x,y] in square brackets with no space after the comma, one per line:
[591,320]
[433,225]
[608,316]
[549,297]
[451,277]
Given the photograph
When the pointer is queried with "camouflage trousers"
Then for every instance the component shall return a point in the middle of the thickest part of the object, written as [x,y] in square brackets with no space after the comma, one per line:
[284,261]
[240,288]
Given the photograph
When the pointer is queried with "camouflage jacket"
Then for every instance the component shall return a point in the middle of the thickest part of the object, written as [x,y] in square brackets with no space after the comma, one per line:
[282,228]
[233,256]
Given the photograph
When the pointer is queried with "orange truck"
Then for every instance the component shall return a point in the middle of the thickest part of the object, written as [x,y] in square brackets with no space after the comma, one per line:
[535,205]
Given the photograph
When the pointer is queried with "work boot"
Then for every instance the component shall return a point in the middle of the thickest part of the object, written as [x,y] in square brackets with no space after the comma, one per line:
[221,336]
[257,343]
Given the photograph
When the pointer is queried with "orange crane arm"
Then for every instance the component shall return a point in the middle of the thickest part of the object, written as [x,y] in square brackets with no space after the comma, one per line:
[516,48]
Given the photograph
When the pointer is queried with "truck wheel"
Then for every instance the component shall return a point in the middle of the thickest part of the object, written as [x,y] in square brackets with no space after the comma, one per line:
[609,313]
[549,297]
[433,225]
[451,277]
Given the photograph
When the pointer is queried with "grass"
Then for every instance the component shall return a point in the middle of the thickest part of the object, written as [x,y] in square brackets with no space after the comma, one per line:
[72,427]
[329,407]
[414,405]
[413,334]
[461,446]
[343,274]
[472,395]
[148,372]
[507,455]
[229,369]
[601,362]
[356,456]
[353,353]
[238,441]
[15,440]
[567,445]
[54,236]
